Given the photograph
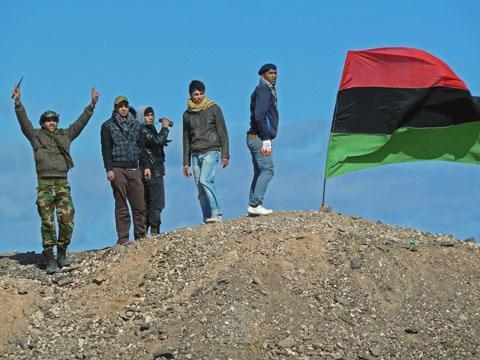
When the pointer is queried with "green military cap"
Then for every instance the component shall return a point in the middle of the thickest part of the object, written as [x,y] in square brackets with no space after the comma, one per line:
[49,114]
[120,99]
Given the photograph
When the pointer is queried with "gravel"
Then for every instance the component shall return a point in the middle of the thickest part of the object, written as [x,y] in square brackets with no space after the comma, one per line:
[305,285]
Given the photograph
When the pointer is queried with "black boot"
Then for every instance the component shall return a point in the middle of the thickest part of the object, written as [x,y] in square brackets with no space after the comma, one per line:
[62,259]
[52,266]
[155,230]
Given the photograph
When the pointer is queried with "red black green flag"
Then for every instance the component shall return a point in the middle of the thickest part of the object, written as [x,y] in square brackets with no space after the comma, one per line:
[397,105]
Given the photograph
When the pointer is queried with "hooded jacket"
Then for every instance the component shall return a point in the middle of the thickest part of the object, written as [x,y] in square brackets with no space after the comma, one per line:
[153,155]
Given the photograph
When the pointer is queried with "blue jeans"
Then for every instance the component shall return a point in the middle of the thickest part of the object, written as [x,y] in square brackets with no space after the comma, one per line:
[262,171]
[203,168]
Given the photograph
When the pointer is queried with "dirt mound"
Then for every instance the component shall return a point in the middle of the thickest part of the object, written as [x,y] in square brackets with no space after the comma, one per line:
[306,285]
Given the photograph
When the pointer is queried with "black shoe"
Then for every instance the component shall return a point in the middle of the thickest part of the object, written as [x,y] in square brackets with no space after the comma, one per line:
[62,259]
[52,266]
[155,230]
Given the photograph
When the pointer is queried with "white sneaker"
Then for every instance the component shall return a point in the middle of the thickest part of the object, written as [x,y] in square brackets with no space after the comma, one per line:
[257,211]
[213,219]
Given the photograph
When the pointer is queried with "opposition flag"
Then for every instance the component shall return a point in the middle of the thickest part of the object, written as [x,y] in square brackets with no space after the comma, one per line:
[397,105]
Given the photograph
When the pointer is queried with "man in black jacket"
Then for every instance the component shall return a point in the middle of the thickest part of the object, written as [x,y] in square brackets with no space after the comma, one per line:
[153,156]
[121,137]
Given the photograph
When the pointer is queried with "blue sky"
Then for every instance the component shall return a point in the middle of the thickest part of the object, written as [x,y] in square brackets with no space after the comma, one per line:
[150,51]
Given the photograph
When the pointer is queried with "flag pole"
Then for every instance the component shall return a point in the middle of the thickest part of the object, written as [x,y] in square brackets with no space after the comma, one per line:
[323,195]
[326,159]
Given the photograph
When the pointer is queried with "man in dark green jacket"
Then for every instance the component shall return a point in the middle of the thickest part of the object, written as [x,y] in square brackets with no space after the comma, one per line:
[51,149]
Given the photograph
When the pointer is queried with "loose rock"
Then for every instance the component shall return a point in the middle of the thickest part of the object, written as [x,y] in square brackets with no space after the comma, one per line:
[287,285]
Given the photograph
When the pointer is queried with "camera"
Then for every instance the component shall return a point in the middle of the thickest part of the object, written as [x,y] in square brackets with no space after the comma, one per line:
[170,124]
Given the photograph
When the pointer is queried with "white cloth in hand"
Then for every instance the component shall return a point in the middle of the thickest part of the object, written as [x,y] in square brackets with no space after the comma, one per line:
[267,145]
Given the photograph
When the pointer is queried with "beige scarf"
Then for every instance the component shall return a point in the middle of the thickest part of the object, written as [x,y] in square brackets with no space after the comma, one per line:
[205,104]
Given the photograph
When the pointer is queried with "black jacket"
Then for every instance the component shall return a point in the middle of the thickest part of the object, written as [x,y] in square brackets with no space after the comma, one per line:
[204,131]
[153,155]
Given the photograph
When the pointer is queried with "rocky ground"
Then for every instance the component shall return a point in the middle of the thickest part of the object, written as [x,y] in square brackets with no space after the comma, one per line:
[300,285]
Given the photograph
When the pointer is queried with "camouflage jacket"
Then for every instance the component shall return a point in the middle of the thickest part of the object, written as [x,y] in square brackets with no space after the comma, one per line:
[49,161]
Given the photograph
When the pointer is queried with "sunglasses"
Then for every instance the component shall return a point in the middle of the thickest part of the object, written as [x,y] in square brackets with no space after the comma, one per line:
[123,104]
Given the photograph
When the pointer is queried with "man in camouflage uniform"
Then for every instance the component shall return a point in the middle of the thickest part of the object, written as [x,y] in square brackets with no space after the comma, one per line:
[51,149]
[50,194]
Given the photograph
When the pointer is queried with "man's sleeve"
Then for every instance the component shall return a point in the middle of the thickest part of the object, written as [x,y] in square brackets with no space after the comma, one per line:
[76,128]
[262,103]
[25,124]
[222,132]
[186,142]
[144,158]
[106,139]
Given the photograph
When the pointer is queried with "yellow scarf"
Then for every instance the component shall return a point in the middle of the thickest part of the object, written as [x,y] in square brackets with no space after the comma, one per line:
[205,104]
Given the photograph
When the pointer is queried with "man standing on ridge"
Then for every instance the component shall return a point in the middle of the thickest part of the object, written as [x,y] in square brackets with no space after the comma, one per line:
[205,141]
[263,129]
[153,156]
[51,150]
[121,138]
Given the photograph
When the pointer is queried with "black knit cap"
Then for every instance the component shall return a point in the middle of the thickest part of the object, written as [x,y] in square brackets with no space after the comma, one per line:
[266,68]
[148,110]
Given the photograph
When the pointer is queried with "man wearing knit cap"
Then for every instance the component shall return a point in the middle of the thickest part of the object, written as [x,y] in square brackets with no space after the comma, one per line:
[263,129]
[121,148]
[153,156]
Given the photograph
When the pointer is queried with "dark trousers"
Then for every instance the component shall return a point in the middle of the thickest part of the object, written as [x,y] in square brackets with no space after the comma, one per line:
[154,201]
[127,185]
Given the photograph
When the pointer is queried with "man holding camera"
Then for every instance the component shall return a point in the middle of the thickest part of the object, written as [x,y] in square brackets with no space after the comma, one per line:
[122,144]
[51,149]
[153,157]
[263,129]
[205,141]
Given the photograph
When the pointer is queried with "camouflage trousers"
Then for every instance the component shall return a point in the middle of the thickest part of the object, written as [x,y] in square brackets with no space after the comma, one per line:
[54,193]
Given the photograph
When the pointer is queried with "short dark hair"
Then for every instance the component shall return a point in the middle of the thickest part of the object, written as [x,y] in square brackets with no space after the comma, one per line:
[196,85]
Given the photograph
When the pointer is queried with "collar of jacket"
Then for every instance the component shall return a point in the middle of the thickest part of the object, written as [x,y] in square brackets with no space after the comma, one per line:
[150,127]
[55,132]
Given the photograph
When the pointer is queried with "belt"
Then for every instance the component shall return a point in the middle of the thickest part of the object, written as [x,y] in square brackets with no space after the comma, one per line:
[52,181]
[129,168]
